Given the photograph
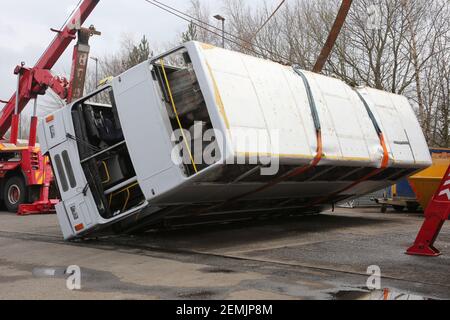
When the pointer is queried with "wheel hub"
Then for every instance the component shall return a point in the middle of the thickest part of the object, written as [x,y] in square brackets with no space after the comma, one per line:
[14,194]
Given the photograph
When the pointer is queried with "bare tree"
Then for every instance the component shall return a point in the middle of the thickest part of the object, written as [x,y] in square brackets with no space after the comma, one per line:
[131,54]
[405,50]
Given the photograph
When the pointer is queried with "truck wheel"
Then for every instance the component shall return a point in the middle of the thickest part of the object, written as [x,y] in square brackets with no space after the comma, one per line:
[14,194]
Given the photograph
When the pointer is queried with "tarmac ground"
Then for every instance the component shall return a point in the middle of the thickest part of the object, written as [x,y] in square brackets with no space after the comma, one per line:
[325,256]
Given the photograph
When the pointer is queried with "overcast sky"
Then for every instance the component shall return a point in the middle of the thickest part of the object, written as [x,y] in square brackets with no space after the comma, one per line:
[24,29]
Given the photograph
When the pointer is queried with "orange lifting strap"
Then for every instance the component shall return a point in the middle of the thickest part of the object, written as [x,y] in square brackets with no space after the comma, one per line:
[299,171]
[384,160]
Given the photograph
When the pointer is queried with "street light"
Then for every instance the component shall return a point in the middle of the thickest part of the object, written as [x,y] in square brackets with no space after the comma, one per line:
[96,70]
[220,18]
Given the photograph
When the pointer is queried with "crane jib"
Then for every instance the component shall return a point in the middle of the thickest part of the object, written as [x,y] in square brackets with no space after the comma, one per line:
[66,35]
[27,90]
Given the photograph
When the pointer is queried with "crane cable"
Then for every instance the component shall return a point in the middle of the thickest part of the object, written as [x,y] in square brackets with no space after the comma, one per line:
[268,19]
[71,14]
[201,24]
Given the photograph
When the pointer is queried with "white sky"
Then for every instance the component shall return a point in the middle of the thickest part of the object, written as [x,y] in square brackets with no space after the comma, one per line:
[25,24]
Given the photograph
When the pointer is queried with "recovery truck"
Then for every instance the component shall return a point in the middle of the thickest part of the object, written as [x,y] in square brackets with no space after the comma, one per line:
[25,174]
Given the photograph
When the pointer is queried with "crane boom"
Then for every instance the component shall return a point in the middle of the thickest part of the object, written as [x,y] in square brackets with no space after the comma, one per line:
[66,35]
[36,80]
[333,35]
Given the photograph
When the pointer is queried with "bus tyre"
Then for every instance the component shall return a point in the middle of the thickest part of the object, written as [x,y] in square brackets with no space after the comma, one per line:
[14,194]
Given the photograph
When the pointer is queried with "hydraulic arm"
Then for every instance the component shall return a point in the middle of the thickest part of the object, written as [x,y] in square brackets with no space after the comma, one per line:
[25,182]
[35,81]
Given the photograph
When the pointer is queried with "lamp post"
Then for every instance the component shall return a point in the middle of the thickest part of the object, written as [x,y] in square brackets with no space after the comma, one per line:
[96,70]
[222,19]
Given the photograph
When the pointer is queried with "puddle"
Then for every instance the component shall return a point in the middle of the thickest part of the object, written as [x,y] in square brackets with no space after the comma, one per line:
[217,270]
[377,295]
[49,272]
[197,295]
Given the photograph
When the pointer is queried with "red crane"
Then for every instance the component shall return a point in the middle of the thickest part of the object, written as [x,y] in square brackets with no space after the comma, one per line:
[436,215]
[25,174]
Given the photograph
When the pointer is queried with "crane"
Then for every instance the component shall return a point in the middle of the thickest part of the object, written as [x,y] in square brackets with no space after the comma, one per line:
[436,215]
[25,174]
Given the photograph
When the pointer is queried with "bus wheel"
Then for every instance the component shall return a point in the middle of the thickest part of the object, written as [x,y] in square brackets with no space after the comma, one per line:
[14,194]
[399,209]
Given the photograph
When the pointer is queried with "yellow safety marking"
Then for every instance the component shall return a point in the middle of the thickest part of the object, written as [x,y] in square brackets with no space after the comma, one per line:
[105,81]
[12,148]
[346,158]
[126,201]
[110,199]
[255,154]
[108,176]
[218,97]
[207,46]
[127,189]
[39,177]
[176,115]
[44,171]
[297,156]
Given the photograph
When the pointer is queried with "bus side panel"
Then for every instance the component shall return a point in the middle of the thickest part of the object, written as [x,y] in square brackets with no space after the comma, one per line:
[64,222]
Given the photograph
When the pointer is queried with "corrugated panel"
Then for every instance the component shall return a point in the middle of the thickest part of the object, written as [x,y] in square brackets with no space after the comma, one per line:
[263,95]
[348,133]
[260,95]
[405,140]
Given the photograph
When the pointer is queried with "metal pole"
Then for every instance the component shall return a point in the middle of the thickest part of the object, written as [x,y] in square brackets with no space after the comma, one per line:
[16,109]
[96,70]
[223,33]
[20,126]
[15,122]
[35,107]
[32,137]
[222,19]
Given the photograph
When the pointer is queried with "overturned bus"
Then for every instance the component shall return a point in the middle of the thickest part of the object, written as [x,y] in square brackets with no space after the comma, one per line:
[202,134]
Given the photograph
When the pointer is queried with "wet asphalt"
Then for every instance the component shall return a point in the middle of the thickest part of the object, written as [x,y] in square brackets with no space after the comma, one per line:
[313,257]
